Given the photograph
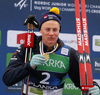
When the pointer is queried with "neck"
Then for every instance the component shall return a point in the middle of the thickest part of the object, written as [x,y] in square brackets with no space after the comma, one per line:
[49,46]
[41,47]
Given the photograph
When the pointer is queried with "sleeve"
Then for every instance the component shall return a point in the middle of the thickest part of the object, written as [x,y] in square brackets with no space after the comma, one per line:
[74,68]
[17,69]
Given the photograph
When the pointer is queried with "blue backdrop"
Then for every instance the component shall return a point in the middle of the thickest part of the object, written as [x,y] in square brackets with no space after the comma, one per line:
[14,12]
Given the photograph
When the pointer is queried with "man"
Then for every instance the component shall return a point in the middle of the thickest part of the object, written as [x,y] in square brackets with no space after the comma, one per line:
[54,60]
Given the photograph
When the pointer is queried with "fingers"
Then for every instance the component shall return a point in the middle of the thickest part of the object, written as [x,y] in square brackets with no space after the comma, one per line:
[37,59]
[94,90]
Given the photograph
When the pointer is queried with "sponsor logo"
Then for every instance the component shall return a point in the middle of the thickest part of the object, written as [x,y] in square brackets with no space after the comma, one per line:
[87,57]
[81,58]
[64,51]
[13,58]
[20,38]
[29,40]
[96,43]
[15,38]
[96,65]
[69,39]
[42,86]
[45,16]
[85,32]
[70,88]
[50,17]
[21,4]
[14,88]
[54,63]
[79,35]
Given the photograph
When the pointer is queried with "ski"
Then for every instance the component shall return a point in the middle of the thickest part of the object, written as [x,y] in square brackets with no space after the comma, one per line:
[86,44]
[86,79]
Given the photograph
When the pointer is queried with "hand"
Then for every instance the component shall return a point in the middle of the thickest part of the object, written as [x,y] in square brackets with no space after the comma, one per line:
[94,90]
[32,20]
[37,59]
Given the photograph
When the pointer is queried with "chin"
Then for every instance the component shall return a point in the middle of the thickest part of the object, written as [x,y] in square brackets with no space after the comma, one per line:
[51,42]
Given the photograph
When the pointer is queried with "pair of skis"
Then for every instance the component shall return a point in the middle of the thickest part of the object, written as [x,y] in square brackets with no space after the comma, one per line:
[86,79]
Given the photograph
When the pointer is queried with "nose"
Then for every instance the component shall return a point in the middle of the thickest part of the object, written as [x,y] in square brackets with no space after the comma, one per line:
[51,32]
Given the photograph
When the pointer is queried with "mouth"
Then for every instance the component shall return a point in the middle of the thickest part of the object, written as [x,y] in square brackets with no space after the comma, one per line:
[51,39]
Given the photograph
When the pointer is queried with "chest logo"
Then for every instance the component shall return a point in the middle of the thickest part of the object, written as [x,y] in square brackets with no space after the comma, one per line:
[64,51]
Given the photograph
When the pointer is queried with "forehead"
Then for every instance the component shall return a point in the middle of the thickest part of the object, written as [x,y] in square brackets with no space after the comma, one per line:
[51,23]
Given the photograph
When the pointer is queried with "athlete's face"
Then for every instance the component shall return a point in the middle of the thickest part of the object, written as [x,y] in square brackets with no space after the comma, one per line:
[50,32]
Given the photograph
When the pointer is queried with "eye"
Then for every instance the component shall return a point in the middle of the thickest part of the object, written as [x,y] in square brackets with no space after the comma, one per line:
[47,29]
[55,29]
